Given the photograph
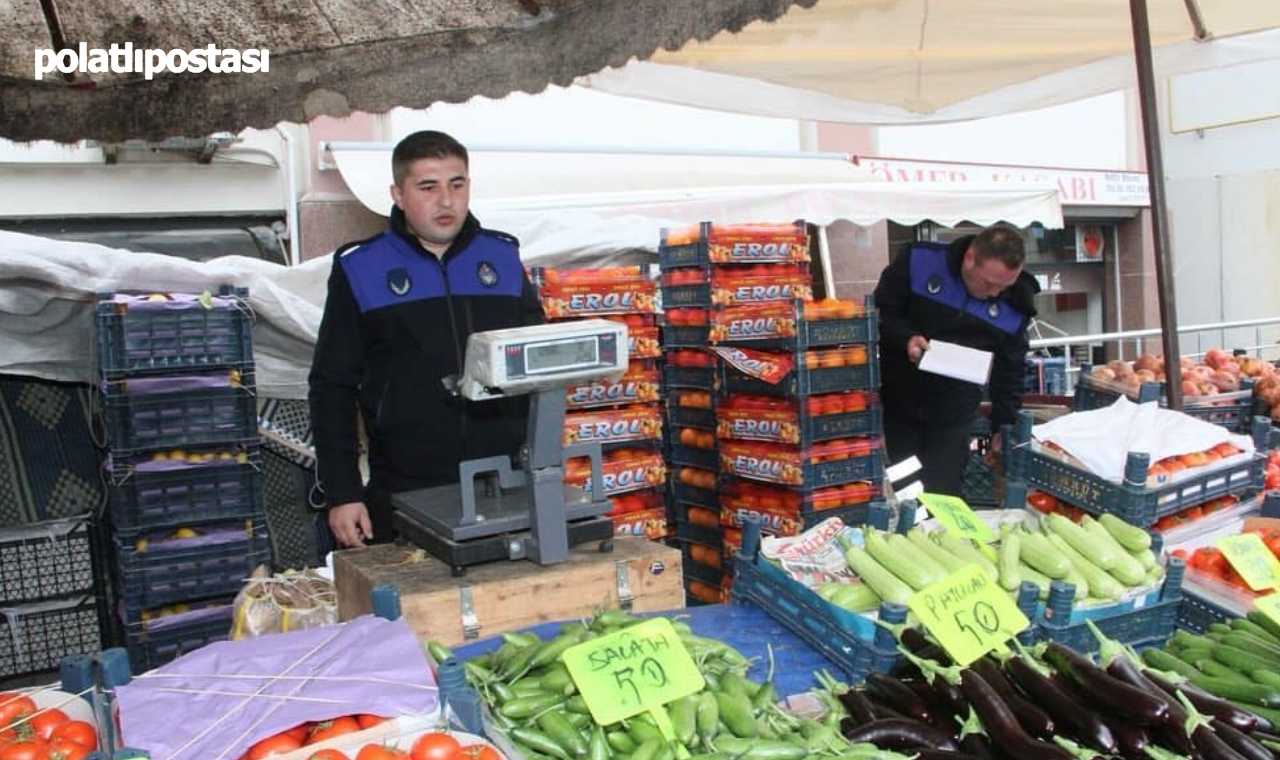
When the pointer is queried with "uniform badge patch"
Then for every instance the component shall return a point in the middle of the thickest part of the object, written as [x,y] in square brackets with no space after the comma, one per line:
[934,284]
[398,281]
[487,275]
[993,310]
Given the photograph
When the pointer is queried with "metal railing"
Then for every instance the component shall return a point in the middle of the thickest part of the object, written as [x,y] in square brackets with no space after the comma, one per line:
[1258,347]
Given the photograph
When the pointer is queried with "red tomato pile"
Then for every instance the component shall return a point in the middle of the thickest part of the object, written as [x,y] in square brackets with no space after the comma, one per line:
[1195,513]
[1273,470]
[312,733]
[1210,560]
[437,745]
[30,733]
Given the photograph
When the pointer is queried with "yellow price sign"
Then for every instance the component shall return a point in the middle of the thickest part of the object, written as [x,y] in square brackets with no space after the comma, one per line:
[968,613]
[1252,559]
[1269,605]
[640,668]
[956,516]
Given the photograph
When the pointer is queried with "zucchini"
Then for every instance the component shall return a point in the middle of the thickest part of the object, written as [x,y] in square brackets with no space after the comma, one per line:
[1091,549]
[1252,693]
[1185,638]
[1258,617]
[884,583]
[1245,625]
[1131,537]
[1101,584]
[1010,549]
[1147,559]
[902,566]
[987,550]
[1243,661]
[1162,660]
[856,597]
[1215,669]
[1253,644]
[901,546]
[1041,580]
[946,559]
[1127,570]
[965,550]
[1266,678]
[1037,552]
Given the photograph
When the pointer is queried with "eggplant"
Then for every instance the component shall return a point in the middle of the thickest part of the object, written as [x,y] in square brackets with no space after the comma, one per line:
[1237,718]
[895,694]
[1132,739]
[859,709]
[1175,737]
[1098,688]
[1244,745]
[942,754]
[914,640]
[1032,719]
[1212,746]
[1080,722]
[1001,724]
[899,734]
[940,713]
[978,745]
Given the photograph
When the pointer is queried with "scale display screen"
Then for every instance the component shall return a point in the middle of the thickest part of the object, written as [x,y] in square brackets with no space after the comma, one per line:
[555,356]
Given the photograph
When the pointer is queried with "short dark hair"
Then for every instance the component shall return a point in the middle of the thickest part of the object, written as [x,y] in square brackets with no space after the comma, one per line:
[424,144]
[1003,243]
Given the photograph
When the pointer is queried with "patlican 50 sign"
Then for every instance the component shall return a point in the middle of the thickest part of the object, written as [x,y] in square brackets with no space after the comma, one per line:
[1078,187]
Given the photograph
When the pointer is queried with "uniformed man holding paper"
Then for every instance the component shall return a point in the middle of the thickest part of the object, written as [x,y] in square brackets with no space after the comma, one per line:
[971,294]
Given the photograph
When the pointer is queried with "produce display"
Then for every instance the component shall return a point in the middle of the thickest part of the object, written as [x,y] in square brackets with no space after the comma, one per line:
[1219,373]
[29,732]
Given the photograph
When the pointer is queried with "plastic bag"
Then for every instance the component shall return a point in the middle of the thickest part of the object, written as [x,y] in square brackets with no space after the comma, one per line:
[284,602]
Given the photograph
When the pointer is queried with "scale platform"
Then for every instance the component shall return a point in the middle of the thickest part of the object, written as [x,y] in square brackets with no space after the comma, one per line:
[432,518]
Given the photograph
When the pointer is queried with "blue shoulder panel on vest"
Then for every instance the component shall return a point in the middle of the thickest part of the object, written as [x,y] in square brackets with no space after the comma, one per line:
[489,266]
[387,272]
[933,278]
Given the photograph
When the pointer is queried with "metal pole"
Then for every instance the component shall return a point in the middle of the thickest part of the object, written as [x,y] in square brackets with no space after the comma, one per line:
[1159,221]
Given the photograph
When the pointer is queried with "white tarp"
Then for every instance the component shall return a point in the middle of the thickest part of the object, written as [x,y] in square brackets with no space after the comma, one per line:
[916,61]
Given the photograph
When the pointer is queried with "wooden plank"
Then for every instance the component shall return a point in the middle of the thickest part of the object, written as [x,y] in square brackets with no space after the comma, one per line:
[508,596]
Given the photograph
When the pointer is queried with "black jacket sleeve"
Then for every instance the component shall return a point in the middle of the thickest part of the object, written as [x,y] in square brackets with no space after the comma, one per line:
[531,304]
[336,371]
[1008,373]
[893,297]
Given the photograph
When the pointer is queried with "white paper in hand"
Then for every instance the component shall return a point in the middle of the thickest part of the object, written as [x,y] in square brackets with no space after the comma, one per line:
[956,361]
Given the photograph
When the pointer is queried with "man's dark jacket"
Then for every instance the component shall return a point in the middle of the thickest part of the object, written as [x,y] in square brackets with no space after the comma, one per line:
[921,293]
[395,323]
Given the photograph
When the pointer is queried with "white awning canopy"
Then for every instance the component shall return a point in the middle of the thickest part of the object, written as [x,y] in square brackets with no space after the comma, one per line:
[565,206]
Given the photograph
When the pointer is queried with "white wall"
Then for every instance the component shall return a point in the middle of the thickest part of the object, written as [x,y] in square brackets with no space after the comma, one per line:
[576,117]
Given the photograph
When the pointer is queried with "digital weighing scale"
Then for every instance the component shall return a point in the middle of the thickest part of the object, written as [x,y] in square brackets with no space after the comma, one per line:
[530,512]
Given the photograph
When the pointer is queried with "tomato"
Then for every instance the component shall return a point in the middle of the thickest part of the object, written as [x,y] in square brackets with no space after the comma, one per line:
[331,729]
[277,744]
[25,749]
[14,706]
[435,745]
[328,754]
[379,752]
[65,749]
[43,722]
[300,731]
[479,752]
[77,731]
[1042,502]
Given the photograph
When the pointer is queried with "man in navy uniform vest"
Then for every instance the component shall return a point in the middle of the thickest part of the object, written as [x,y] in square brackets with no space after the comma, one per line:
[399,310]
[972,292]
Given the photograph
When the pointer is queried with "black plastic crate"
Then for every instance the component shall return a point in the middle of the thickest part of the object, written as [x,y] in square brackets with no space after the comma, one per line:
[874,513]
[1197,613]
[806,382]
[139,422]
[698,534]
[684,255]
[681,296]
[815,428]
[978,482]
[39,634]
[44,560]
[685,336]
[181,336]
[1233,410]
[160,641]
[1135,504]
[690,417]
[712,576]
[696,378]
[156,577]
[683,493]
[834,473]
[212,492]
[692,456]
[814,333]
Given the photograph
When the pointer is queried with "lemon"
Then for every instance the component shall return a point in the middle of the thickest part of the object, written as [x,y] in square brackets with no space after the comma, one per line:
[141,545]
[184,533]
[224,455]
[159,456]
[157,297]
[177,454]
[146,615]
[242,458]
[178,609]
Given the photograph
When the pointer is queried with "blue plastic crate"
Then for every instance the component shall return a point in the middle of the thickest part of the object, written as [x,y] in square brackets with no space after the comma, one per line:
[685,296]
[39,634]
[1136,505]
[852,642]
[1146,621]
[156,577]
[143,501]
[157,642]
[1197,613]
[44,560]
[696,378]
[806,382]
[978,482]
[1233,411]
[182,336]
[138,422]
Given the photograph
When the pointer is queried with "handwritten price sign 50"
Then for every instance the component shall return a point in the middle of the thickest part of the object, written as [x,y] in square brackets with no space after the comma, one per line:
[968,613]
